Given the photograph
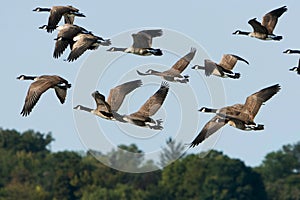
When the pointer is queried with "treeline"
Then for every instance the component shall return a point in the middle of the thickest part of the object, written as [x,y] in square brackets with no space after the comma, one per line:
[29,170]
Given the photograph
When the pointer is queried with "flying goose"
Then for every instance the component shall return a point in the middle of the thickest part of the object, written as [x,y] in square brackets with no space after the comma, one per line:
[56,13]
[223,69]
[65,36]
[143,116]
[142,44]
[107,109]
[264,30]
[291,51]
[40,85]
[296,69]
[240,116]
[173,74]
[83,42]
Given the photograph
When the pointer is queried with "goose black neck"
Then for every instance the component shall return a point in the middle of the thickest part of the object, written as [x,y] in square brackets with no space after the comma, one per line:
[44,9]
[29,77]
[295,51]
[243,33]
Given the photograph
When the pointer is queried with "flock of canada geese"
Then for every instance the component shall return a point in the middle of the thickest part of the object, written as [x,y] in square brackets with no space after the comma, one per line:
[80,40]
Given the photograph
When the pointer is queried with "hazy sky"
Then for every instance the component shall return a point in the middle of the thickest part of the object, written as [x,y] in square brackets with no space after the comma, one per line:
[28,50]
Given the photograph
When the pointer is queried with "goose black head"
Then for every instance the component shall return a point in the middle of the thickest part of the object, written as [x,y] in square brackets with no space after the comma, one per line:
[237,32]
[44,27]
[294,69]
[149,71]
[78,107]
[203,109]
[38,9]
[21,77]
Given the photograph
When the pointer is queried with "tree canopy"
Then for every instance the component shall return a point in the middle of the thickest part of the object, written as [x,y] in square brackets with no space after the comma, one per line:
[29,170]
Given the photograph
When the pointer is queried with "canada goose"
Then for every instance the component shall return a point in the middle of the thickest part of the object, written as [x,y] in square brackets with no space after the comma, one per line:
[142,43]
[223,69]
[40,85]
[264,30]
[83,42]
[296,69]
[291,51]
[173,74]
[65,36]
[107,109]
[143,116]
[56,13]
[240,116]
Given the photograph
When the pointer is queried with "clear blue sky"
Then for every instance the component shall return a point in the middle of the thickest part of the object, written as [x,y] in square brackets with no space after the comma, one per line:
[28,50]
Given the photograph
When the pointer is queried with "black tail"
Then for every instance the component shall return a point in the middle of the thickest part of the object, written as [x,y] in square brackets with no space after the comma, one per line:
[259,127]
[277,38]
[156,52]
[235,76]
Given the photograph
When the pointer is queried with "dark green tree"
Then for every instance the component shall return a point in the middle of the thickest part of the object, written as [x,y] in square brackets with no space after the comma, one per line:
[214,177]
[281,173]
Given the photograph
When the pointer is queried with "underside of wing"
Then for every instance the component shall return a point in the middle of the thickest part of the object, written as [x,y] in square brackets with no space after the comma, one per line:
[209,128]
[69,19]
[141,40]
[54,17]
[60,47]
[257,27]
[34,93]
[61,93]
[117,94]
[210,66]
[79,47]
[152,33]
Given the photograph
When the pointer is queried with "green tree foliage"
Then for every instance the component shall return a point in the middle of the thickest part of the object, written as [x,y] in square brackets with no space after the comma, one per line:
[214,177]
[28,141]
[29,170]
[281,173]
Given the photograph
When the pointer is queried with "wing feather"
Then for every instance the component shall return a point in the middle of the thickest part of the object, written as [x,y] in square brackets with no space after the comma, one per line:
[228,61]
[271,18]
[257,27]
[209,128]
[153,104]
[254,101]
[183,62]
[143,39]
[117,94]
